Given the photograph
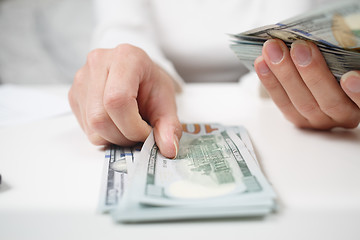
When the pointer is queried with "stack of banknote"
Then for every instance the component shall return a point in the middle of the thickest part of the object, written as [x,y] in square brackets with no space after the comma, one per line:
[215,175]
[335,29]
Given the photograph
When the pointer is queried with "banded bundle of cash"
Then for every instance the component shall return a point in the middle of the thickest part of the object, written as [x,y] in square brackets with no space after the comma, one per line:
[334,29]
[215,175]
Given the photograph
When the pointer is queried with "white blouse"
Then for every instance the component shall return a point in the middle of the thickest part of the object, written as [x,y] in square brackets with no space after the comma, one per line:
[188,38]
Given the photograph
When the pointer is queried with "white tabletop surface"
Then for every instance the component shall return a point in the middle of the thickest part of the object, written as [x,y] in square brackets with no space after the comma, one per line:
[52,175]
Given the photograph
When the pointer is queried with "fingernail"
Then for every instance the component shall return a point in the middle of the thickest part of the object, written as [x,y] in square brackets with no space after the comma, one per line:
[351,81]
[176,145]
[301,53]
[274,51]
[262,67]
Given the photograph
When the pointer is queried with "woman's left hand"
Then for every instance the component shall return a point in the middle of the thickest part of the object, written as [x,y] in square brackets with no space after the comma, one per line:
[302,86]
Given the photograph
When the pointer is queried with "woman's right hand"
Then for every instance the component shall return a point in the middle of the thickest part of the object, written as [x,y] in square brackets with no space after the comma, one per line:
[120,94]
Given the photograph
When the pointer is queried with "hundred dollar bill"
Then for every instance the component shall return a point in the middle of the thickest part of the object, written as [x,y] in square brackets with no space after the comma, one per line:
[335,29]
[118,165]
[120,161]
[215,166]
[214,175]
[131,211]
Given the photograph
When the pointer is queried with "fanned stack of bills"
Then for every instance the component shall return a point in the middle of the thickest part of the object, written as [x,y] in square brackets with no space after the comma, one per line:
[334,29]
[215,175]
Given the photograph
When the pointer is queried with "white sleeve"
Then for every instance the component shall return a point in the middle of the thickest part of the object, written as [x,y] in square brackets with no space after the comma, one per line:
[129,21]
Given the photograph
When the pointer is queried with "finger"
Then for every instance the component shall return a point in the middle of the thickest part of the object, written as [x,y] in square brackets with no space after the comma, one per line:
[77,98]
[167,133]
[350,82]
[73,100]
[121,92]
[277,57]
[167,127]
[278,94]
[321,82]
[93,136]
[97,118]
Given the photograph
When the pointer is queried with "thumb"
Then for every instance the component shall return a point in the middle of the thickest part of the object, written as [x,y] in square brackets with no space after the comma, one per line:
[163,117]
[167,133]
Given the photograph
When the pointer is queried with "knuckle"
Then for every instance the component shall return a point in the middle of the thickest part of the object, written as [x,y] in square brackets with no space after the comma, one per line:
[79,80]
[308,108]
[94,57]
[286,107]
[77,84]
[96,139]
[352,120]
[79,76]
[134,54]
[97,120]
[71,97]
[312,83]
[345,114]
[285,77]
[116,100]
[270,84]
[335,108]
[127,49]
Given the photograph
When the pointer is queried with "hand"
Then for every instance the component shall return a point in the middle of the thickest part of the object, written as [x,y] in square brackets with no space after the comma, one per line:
[118,92]
[304,89]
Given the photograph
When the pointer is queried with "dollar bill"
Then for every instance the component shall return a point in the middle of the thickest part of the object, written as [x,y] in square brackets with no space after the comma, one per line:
[118,165]
[120,162]
[335,29]
[213,176]
[215,166]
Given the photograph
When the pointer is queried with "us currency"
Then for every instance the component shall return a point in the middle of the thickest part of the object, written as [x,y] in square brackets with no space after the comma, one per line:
[334,29]
[211,166]
[213,176]
[120,161]
[118,165]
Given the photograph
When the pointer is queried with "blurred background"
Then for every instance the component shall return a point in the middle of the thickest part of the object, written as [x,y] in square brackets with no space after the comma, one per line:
[43,41]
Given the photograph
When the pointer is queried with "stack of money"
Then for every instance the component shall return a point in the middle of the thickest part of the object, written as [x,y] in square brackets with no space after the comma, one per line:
[215,175]
[334,29]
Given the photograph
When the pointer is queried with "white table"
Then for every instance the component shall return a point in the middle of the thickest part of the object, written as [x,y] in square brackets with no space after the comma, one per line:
[52,175]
